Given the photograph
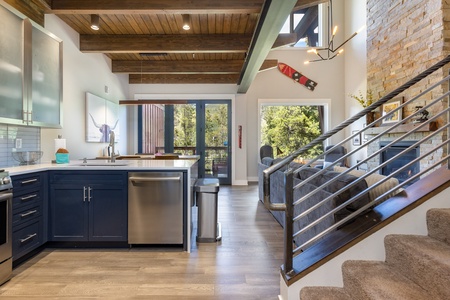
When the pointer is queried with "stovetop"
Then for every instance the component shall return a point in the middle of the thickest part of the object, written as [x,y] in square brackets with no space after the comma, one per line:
[5,181]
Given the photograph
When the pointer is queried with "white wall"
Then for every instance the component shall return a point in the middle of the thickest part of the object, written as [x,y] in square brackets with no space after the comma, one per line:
[82,73]
[355,63]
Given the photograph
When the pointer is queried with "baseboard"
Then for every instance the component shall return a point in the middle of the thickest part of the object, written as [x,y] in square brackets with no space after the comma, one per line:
[252,179]
[240,182]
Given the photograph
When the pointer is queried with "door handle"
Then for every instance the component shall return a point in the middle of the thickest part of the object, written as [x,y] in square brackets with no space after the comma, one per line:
[28,237]
[89,194]
[31,212]
[28,197]
[150,179]
[84,194]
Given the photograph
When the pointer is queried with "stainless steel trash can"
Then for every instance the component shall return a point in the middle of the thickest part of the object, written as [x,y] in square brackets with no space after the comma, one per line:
[208,229]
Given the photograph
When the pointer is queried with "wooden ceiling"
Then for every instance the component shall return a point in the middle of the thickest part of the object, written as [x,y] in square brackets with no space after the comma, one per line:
[145,39]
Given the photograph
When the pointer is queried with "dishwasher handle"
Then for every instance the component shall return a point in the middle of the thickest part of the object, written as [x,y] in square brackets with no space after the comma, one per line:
[152,179]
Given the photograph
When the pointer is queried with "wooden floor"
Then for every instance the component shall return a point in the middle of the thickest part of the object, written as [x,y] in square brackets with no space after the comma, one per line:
[244,265]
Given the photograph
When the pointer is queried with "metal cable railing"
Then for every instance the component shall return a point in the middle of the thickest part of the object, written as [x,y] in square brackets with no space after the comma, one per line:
[306,223]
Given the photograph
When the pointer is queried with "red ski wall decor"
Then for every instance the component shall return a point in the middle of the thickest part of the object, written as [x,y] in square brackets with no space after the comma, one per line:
[297,76]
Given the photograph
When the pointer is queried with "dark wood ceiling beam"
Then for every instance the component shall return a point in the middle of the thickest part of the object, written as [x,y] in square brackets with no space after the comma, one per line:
[155,6]
[285,39]
[308,19]
[217,43]
[178,67]
[183,78]
[269,64]
[185,67]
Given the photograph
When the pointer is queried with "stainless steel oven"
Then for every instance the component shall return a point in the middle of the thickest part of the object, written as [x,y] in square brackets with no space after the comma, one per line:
[5,227]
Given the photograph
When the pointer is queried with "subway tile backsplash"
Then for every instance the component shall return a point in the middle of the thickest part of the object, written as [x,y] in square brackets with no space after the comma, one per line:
[31,141]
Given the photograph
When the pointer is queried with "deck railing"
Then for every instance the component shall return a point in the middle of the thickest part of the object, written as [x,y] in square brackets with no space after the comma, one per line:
[430,134]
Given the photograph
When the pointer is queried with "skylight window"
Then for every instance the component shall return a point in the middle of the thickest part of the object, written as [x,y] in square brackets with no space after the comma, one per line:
[304,22]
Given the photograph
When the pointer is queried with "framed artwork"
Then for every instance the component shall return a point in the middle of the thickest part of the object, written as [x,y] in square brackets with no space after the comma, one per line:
[390,106]
[102,117]
[357,138]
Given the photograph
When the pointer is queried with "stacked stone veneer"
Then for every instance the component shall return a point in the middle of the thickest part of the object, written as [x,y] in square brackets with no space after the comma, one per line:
[404,38]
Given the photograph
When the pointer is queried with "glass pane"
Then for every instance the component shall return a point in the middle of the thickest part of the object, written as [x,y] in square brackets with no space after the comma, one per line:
[185,139]
[152,128]
[46,87]
[216,140]
[11,95]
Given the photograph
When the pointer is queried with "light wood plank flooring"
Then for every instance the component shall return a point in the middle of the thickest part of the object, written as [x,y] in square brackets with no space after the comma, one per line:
[244,265]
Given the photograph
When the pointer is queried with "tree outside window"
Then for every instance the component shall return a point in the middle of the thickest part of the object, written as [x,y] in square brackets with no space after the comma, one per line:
[287,128]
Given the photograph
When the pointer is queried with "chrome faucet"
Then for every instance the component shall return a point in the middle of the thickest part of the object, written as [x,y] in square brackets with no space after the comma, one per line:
[112,138]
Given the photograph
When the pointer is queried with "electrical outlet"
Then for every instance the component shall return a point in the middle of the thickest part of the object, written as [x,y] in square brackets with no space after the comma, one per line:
[18,143]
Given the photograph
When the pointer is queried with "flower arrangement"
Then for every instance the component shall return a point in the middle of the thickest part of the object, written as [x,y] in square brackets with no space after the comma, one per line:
[365,102]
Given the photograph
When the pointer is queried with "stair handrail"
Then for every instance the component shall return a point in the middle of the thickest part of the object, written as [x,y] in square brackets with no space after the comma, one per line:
[287,160]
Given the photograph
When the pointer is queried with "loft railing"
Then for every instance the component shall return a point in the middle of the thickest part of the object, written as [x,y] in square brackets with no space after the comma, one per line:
[433,143]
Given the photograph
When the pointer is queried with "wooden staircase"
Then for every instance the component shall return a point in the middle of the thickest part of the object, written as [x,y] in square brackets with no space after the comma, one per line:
[416,267]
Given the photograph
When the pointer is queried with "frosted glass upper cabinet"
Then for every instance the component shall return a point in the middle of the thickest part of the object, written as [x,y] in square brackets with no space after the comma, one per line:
[11,67]
[45,90]
[30,72]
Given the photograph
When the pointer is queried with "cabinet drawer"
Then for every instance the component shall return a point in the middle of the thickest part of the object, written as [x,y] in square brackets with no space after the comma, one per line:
[25,215]
[27,239]
[87,178]
[28,199]
[23,183]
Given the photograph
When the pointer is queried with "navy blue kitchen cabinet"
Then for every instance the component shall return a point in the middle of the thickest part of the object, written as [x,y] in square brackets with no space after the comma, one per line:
[88,206]
[29,213]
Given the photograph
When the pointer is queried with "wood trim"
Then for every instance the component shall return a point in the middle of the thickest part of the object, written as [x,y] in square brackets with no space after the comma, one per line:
[156,6]
[178,67]
[285,39]
[184,78]
[184,67]
[33,9]
[218,43]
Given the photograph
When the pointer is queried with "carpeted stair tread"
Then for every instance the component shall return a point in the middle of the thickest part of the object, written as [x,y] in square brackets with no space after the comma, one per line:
[438,222]
[376,280]
[323,293]
[423,260]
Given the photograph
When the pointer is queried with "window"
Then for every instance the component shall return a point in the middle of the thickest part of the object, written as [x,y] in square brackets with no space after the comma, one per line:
[307,25]
[290,127]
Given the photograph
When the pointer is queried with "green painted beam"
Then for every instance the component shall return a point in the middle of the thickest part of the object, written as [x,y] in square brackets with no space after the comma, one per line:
[273,16]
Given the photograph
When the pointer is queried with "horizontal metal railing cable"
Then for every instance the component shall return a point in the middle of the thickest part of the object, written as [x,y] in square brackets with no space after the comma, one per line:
[374,154]
[388,129]
[359,195]
[374,170]
[289,204]
[349,121]
[367,206]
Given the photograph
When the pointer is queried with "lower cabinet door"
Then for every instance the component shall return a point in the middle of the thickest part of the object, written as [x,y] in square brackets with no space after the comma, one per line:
[108,213]
[68,210]
[27,239]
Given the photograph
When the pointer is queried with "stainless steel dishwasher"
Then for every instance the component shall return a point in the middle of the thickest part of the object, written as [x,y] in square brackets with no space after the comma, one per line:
[155,208]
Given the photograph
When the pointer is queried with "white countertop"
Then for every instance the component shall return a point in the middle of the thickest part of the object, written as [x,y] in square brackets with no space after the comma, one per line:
[125,165]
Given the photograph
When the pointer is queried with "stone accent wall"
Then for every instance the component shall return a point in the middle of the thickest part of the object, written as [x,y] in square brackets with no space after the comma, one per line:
[404,38]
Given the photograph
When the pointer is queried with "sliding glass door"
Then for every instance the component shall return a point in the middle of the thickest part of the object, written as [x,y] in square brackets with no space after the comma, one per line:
[196,127]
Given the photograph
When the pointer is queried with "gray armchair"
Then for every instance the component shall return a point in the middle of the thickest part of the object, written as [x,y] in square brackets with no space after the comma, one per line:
[265,151]
[333,156]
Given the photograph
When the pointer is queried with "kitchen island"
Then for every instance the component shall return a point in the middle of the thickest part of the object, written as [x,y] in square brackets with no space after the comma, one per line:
[86,201]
